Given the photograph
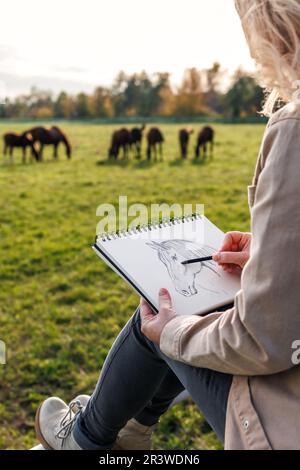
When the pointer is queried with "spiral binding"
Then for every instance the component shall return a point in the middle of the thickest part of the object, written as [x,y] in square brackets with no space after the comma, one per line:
[165,222]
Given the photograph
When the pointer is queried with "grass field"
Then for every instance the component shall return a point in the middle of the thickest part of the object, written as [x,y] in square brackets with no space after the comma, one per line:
[60,307]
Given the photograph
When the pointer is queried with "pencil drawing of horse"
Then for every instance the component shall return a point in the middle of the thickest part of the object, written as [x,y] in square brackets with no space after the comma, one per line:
[184,277]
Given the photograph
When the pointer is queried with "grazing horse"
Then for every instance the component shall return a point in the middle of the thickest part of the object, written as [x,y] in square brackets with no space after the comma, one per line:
[53,136]
[173,252]
[206,135]
[136,136]
[155,138]
[184,137]
[22,141]
[120,139]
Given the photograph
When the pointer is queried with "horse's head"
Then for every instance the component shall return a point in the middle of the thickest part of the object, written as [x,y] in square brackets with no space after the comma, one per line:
[172,255]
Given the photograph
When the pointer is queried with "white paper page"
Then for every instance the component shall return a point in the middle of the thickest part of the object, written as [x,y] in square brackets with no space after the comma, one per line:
[153,260]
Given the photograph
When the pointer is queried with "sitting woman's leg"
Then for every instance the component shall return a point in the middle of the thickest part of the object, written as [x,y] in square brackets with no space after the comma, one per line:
[131,384]
[138,380]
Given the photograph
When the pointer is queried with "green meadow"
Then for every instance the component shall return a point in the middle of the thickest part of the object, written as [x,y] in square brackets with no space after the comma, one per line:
[60,306]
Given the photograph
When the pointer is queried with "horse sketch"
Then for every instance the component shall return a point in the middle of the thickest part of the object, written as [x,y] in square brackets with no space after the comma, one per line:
[173,252]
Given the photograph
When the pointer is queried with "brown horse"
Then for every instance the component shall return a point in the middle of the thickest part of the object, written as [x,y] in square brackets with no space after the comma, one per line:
[12,140]
[53,136]
[155,138]
[136,136]
[206,135]
[121,139]
[184,137]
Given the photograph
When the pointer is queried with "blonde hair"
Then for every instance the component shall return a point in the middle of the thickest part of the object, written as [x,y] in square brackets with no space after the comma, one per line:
[272,29]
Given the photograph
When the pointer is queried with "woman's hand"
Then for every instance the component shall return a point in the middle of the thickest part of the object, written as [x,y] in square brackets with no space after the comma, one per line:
[152,324]
[235,251]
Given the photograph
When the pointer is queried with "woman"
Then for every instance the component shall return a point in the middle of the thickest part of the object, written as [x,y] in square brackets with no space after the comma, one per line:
[237,365]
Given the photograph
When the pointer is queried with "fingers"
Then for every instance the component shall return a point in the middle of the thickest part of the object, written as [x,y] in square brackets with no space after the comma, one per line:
[146,312]
[231,241]
[238,258]
[164,299]
[231,268]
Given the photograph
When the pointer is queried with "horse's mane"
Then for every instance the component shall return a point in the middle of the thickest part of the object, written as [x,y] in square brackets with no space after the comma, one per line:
[188,249]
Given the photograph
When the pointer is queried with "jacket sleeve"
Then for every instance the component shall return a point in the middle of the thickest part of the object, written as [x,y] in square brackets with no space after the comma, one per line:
[255,337]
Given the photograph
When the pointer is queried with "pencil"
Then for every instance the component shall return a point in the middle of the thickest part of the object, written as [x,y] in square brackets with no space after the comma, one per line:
[198,260]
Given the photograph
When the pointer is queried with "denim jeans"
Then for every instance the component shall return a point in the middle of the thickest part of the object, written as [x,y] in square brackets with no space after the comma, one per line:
[139,381]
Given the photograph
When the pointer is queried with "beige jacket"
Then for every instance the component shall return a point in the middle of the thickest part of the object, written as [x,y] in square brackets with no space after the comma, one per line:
[253,341]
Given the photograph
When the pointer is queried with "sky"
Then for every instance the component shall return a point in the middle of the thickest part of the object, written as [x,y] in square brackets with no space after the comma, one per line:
[75,45]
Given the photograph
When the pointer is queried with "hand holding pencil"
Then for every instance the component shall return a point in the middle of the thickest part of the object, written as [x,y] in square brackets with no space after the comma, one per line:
[235,252]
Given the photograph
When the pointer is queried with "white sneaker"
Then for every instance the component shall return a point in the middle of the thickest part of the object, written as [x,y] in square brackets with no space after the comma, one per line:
[54,423]
[82,400]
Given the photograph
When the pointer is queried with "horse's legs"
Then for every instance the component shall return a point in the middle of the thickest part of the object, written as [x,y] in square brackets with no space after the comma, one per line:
[34,154]
[182,151]
[24,154]
[211,149]
[5,149]
[204,152]
[155,151]
[55,151]
[11,151]
[149,152]
[116,151]
[41,152]
[197,151]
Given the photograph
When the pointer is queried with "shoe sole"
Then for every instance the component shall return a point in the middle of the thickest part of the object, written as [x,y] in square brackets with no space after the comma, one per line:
[38,431]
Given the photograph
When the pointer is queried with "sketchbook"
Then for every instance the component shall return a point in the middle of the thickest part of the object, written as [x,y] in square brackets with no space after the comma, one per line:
[150,257]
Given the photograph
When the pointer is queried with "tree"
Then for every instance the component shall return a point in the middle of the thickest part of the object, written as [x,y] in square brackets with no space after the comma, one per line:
[64,106]
[101,103]
[117,92]
[213,98]
[40,103]
[189,98]
[245,97]
[82,108]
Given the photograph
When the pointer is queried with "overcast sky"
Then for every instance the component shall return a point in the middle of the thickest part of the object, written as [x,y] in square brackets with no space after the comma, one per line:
[77,44]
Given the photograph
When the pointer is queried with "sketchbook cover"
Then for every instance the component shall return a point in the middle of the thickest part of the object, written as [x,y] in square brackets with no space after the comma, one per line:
[153,258]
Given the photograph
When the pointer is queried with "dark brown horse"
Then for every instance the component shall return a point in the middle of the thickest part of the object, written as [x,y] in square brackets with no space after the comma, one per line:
[206,136]
[184,137]
[12,140]
[121,139]
[155,139]
[53,136]
[136,136]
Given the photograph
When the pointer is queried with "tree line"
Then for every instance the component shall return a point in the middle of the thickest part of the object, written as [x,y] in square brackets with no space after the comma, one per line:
[141,95]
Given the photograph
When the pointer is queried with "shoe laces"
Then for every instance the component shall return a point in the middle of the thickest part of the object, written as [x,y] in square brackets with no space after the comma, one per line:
[68,421]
